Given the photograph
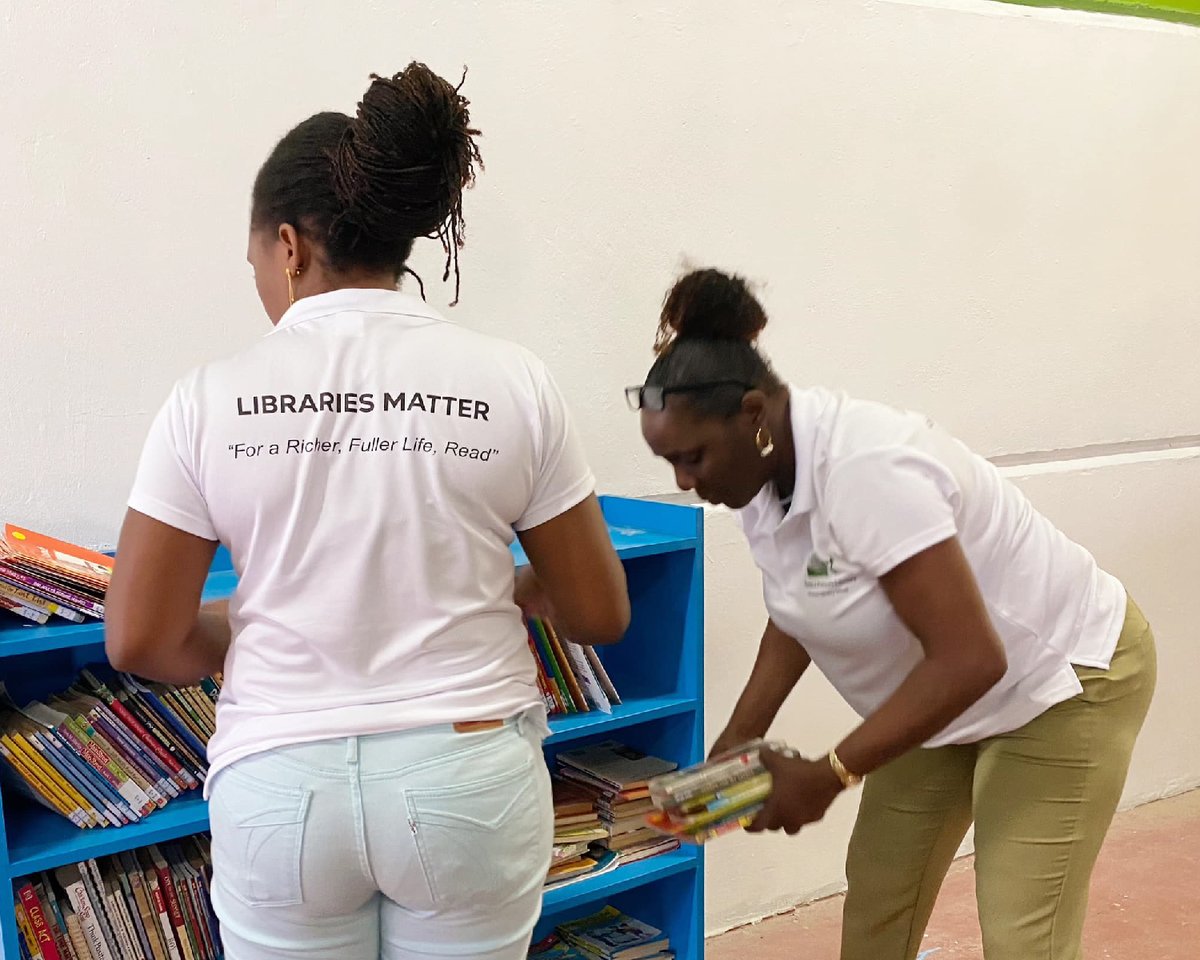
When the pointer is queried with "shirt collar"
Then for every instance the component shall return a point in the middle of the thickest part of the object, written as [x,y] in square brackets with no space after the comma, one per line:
[355,300]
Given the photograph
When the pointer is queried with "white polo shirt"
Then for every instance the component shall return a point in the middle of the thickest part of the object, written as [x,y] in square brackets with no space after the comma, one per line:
[366,464]
[874,487]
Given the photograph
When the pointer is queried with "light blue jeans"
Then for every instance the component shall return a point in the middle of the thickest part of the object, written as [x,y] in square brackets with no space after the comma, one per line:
[426,843]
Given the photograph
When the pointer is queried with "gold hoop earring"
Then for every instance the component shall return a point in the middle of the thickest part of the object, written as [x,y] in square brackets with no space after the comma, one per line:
[765,442]
[291,289]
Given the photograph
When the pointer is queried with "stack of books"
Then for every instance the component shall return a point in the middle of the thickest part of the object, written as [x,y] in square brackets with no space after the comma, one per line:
[148,904]
[607,935]
[107,753]
[713,798]
[41,577]
[570,676]
[578,831]
[618,776]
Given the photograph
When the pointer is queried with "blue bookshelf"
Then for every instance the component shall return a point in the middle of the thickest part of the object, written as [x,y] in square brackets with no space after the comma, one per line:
[658,669]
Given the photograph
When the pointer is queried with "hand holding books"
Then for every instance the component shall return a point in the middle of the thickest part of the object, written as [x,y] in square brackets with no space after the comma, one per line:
[723,794]
[801,793]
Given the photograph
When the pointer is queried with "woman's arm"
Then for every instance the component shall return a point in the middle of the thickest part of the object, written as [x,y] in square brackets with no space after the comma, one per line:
[937,597]
[577,576]
[780,664]
[154,625]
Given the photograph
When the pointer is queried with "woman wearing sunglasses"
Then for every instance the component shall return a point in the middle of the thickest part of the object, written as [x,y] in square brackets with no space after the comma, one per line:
[1001,676]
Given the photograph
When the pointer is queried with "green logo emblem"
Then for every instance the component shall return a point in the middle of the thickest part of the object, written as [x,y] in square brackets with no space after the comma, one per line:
[820,568]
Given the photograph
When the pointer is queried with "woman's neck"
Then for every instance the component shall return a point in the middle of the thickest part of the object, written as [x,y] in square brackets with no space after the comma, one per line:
[783,472]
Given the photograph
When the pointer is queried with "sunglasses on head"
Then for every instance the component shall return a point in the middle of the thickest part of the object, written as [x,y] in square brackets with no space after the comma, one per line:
[646,397]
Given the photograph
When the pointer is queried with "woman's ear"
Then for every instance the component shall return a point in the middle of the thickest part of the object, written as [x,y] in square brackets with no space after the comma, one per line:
[754,407]
[296,252]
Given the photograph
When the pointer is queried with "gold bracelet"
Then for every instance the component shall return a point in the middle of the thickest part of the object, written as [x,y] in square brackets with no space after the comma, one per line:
[848,779]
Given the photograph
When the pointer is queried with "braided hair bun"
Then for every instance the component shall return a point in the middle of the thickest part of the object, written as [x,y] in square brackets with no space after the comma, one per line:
[365,187]
[709,305]
[402,165]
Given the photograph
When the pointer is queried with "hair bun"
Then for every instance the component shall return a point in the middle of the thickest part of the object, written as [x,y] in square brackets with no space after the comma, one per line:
[400,168]
[709,305]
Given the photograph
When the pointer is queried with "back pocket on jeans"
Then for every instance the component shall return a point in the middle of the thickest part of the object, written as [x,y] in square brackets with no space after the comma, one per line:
[258,833]
[481,842]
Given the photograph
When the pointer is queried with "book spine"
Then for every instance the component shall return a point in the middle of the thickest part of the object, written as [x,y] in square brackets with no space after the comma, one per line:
[29,944]
[33,601]
[76,935]
[565,663]
[98,729]
[148,776]
[53,591]
[96,787]
[164,916]
[552,664]
[183,779]
[174,911]
[21,610]
[58,925]
[541,653]
[150,718]
[597,665]
[104,761]
[91,816]
[34,778]
[146,913]
[120,931]
[540,673]
[88,922]
[172,720]
[587,678]
[90,871]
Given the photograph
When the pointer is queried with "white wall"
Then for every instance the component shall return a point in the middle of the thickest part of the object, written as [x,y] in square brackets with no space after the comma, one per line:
[986,212]
[991,214]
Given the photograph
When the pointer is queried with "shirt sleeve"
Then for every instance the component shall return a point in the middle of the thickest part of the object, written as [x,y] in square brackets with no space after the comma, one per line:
[562,478]
[166,487]
[886,506]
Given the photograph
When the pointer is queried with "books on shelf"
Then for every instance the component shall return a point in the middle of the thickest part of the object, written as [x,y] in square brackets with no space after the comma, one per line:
[601,796]
[147,904]
[613,768]
[607,935]
[108,753]
[570,676]
[43,578]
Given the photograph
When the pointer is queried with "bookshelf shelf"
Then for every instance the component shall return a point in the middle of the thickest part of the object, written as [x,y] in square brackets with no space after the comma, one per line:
[566,729]
[657,670]
[41,840]
[560,900]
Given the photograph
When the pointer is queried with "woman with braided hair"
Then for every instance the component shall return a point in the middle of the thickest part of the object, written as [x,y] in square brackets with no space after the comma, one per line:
[376,782]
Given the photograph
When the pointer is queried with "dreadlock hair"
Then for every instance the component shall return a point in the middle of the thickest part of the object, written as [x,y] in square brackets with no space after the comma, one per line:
[365,187]
[706,332]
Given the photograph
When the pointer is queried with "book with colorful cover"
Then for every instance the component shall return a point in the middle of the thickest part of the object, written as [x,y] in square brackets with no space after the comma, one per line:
[615,765]
[613,935]
[565,666]
[69,580]
[552,665]
[69,561]
[713,798]
[554,948]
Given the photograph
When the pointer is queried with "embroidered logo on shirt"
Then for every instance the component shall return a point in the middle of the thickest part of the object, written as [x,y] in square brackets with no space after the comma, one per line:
[820,568]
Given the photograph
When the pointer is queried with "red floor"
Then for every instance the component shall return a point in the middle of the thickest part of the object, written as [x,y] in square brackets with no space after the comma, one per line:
[1145,902]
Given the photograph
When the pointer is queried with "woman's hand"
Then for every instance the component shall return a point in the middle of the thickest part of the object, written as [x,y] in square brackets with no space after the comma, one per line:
[530,597]
[801,792]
